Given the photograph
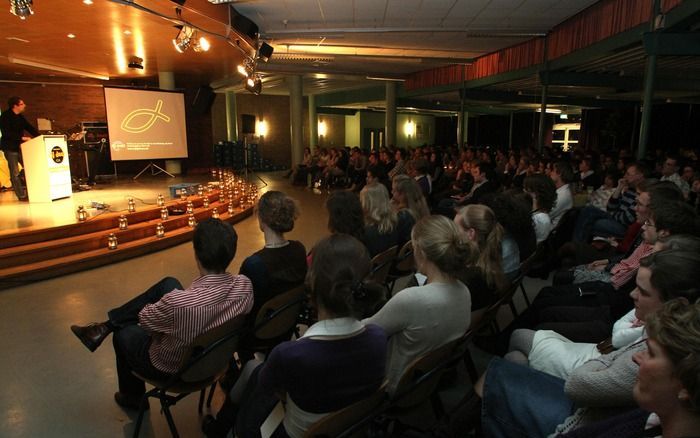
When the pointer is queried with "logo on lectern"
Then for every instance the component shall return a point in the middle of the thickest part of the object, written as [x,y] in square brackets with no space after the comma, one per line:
[57,154]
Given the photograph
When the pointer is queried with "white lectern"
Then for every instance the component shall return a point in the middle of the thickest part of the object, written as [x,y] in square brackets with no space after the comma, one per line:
[46,168]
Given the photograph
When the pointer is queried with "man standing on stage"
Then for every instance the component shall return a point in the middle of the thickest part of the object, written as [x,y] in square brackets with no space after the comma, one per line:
[13,125]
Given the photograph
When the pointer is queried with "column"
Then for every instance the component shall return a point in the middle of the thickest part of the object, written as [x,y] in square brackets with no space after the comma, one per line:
[649,78]
[543,114]
[296,107]
[390,122]
[313,123]
[231,117]
[510,132]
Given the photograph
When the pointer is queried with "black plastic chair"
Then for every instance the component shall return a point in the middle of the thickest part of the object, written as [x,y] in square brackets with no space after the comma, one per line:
[205,360]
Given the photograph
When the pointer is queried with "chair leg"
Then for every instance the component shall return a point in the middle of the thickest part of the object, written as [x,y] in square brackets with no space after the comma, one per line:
[513,309]
[142,411]
[211,395]
[202,393]
[527,300]
[169,417]
[471,367]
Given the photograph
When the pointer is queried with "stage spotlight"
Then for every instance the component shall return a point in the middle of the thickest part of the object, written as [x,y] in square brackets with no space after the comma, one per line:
[254,84]
[265,52]
[21,8]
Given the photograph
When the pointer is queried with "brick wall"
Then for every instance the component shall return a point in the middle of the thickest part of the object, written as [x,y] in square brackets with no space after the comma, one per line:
[68,105]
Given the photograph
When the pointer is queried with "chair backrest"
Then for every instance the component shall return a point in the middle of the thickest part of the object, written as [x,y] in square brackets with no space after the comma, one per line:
[484,317]
[381,264]
[404,260]
[343,420]
[211,351]
[422,376]
[278,316]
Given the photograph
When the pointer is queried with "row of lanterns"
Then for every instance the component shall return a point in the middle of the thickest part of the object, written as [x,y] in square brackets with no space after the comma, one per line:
[232,188]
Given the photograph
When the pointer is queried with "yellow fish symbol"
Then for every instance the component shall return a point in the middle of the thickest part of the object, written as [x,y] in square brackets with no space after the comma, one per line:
[154,114]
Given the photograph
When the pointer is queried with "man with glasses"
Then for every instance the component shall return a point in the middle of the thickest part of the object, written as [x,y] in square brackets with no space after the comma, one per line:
[620,209]
[13,126]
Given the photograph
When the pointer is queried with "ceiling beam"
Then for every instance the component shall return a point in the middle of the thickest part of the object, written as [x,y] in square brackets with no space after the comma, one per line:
[369,94]
[510,97]
[624,83]
[672,44]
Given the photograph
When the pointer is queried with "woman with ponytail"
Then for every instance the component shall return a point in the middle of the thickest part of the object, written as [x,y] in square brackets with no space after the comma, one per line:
[485,277]
[422,318]
[317,374]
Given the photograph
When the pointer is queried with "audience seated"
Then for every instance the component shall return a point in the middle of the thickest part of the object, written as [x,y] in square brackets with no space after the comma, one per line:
[381,223]
[345,214]
[570,309]
[548,351]
[337,362]
[422,318]
[562,175]
[543,193]
[409,203]
[153,331]
[599,197]
[519,240]
[484,278]
[620,210]
[667,389]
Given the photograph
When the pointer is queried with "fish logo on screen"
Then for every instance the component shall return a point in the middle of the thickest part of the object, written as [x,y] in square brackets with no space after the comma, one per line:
[146,117]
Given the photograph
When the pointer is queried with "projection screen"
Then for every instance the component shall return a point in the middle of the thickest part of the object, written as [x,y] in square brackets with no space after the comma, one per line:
[145,124]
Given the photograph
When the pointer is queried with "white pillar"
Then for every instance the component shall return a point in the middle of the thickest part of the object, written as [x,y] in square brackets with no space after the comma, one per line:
[313,122]
[390,123]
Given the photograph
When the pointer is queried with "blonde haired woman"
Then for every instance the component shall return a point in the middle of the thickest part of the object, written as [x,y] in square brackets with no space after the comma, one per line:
[381,231]
[484,278]
[422,318]
[409,203]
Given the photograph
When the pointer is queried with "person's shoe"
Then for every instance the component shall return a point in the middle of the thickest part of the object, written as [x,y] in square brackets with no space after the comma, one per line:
[128,401]
[91,335]
[212,428]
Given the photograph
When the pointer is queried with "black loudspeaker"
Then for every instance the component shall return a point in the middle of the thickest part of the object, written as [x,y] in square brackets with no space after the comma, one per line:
[203,100]
[247,124]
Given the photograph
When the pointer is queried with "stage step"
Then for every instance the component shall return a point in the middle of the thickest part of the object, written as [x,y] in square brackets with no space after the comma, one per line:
[41,254]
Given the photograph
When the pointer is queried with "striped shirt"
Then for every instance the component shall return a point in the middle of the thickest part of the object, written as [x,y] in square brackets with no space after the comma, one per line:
[622,209]
[182,315]
[627,268]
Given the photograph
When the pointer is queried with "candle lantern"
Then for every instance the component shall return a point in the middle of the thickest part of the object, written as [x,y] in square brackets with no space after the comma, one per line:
[81,214]
[205,202]
[191,221]
[215,214]
[112,241]
[163,213]
[190,207]
[123,222]
[160,230]
[131,205]
[230,208]
[160,201]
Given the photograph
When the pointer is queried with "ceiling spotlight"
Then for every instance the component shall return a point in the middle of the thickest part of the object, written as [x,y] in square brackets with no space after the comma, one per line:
[200,44]
[183,39]
[254,84]
[247,68]
[21,8]
[136,62]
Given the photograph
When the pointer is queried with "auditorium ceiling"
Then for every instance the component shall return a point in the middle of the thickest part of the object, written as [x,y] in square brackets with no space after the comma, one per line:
[335,45]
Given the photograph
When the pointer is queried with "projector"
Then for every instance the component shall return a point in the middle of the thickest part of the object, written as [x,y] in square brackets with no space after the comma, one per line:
[136,62]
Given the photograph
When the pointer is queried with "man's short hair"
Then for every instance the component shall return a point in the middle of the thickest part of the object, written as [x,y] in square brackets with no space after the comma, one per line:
[215,244]
[13,101]
[565,171]
[676,217]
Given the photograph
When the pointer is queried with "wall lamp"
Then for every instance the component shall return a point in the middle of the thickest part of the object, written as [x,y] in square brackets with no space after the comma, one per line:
[21,8]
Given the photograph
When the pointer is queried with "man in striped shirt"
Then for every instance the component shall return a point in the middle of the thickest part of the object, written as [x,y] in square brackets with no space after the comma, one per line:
[153,330]
[620,212]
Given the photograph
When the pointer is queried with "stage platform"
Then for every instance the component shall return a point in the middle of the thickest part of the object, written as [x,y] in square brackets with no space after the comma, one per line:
[25,216]
[44,240]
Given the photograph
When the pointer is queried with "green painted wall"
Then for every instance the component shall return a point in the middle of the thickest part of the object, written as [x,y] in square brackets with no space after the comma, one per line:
[352,130]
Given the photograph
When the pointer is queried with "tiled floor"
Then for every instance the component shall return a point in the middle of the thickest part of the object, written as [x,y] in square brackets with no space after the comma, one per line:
[52,385]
